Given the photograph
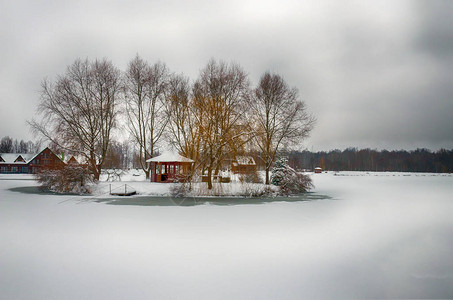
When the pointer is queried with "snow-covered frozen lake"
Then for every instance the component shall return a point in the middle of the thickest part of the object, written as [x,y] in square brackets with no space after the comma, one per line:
[360,235]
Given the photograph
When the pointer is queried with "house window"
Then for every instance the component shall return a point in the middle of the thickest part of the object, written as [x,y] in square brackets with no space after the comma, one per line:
[4,169]
[14,169]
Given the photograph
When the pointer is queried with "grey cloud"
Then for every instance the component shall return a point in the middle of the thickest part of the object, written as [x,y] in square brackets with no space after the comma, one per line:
[436,28]
[375,74]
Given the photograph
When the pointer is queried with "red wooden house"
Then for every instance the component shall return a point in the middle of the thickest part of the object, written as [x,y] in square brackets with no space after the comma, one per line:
[15,163]
[243,165]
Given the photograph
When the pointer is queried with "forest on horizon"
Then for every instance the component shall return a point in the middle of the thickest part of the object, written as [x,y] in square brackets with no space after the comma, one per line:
[123,156]
[353,159]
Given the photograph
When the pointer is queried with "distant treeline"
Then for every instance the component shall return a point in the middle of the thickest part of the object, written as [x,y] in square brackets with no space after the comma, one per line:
[352,159]
[8,145]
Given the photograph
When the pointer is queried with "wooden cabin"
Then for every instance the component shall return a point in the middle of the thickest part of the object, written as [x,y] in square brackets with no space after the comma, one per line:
[15,163]
[169,167]
[318,170]
[243,165]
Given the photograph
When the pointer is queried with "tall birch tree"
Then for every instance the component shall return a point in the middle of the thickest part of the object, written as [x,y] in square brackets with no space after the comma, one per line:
[182,129]
[145,88]
[280,118]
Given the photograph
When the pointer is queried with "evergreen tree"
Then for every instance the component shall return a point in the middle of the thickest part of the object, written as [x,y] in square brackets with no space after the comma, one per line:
[289,181]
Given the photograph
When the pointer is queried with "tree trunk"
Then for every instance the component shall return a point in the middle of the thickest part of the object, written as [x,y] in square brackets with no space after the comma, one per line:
[267,175]
[209,178]
[94,167]
[96,173]
[147,172]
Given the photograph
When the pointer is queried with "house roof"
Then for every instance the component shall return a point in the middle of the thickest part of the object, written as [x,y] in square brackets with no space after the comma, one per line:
[71,159]
[170,157]
[245,160]
[10,158]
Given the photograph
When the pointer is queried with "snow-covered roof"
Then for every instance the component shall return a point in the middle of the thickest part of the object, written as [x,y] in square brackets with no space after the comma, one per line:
[245,160]
[11,158]
[170,157]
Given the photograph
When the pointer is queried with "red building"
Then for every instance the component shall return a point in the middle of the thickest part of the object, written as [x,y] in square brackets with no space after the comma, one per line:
[243,165]
[16,163]
[169,167]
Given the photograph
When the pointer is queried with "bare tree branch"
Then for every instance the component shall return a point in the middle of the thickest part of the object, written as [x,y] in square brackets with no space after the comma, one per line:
[79,110]
[280,118]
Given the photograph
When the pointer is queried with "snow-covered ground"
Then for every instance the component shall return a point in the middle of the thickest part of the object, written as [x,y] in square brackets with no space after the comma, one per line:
[135,180]
[368,235]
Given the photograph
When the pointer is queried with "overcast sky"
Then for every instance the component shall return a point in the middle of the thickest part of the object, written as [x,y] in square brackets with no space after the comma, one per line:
[375,74]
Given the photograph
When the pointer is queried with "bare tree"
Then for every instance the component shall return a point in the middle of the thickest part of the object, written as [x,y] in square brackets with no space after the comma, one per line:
[79,110]
[6,145]
[34,147]
[219,105]
[280,118]
[23,147]
[145,88]
[182,131]
[117,155]
[16,148]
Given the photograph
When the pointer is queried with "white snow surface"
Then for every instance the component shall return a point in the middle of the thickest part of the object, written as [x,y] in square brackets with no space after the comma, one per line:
[377,235]
[11,157]
[135,180]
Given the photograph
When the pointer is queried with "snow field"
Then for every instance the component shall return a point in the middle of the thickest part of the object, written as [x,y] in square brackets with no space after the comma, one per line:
[378,236]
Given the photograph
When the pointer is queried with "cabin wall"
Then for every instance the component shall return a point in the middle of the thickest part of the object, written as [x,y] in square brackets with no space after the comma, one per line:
[168,171]
[15,168]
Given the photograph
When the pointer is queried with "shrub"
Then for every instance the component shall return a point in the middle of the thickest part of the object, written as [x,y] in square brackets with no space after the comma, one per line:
[250,177]
[69,179]
[180,190]
[256,190]
[288,179]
